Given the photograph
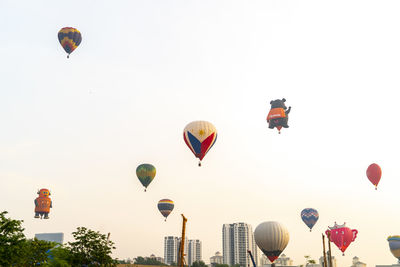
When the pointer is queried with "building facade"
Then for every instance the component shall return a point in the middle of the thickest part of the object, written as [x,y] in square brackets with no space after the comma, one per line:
[194,251]
[171,249]
[237,239]
[216,259]
[358,263]
[52,237]
[321,261]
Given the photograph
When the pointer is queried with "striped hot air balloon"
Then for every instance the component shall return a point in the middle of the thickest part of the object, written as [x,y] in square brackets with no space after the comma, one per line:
[310,217]
[165,206]
[145,174]
[69,38]
[272,238]
[394,245]
[200,136]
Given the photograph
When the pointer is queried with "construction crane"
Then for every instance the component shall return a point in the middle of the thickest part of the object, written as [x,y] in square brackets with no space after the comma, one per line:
[182,255]
[252,259]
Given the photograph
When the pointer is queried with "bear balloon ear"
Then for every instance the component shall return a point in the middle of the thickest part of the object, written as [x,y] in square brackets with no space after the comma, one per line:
[283,100]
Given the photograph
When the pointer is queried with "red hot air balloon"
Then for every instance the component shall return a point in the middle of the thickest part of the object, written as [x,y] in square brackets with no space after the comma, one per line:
[374,174]
[341,235]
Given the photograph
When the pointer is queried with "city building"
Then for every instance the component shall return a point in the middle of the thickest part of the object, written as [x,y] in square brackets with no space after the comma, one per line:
[217,259]
[154,257]
[321,261]
[237,239]
[52,237]
[171,249]
[194,251]
[283,260]
[358,263]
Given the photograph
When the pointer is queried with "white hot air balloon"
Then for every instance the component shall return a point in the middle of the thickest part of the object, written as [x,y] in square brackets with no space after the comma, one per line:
[272,238]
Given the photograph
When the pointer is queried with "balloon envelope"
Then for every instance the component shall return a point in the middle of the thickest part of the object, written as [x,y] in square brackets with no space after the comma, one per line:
[394,245]
[165,206]
[374,174]
[272,238]
[145,174]
[310,217]
[69,38]
[200,136]
[342,236]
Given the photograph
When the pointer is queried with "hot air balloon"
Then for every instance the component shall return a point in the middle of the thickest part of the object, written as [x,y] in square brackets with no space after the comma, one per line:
[374,174]
[43,204]
[69,38]
[145,173]
[165,206]
[272,238]
[310,217]
[341,235]
[200,136]
[278,114]
[394,245]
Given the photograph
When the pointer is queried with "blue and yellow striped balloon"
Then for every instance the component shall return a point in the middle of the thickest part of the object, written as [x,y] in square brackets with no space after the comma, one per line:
[165,206]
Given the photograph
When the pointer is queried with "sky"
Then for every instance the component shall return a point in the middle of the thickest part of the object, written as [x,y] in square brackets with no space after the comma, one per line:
[145,69]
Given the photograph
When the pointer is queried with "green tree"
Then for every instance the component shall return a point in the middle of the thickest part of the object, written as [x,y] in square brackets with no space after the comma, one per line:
[147,261]
[221,265]
[199,264]
[60,257]
[35,252]
[12,241]
[90,248]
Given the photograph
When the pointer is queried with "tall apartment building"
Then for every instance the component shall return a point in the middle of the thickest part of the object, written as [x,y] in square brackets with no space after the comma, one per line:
[171,249]
[194,251]
[237,238]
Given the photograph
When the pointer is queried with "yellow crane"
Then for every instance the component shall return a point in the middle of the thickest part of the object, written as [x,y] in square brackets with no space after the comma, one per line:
[181,262]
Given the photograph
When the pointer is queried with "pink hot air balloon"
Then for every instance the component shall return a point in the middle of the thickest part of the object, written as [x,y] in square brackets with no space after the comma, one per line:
[342,236]
[374,174]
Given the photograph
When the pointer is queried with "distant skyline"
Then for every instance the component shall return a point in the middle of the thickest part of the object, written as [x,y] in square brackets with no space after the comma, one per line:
[145,69]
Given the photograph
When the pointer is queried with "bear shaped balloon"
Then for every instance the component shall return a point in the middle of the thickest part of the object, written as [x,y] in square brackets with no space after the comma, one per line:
[278,114]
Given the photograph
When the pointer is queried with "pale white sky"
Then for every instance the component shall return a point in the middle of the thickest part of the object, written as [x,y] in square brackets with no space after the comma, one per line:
[145,69]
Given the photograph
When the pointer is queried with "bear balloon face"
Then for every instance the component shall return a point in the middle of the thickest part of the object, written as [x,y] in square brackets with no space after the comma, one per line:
[44,193]
[278,103]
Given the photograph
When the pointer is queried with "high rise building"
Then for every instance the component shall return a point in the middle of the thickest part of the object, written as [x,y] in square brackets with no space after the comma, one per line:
[237,238]
[194,251]
[217,259]
[52,237]
[171,249]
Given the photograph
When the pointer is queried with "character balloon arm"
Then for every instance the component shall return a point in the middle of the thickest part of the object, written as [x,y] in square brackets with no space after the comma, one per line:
[288,110]
[51,204]
[36,203]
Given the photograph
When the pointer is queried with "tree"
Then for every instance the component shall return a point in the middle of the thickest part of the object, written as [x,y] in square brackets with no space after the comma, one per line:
[35,252]
[12,240]
[90,248]
[221,265]
[199,264]
[147,261]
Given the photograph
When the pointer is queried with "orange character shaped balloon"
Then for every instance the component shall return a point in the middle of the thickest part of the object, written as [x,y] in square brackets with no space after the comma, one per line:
[43,204]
